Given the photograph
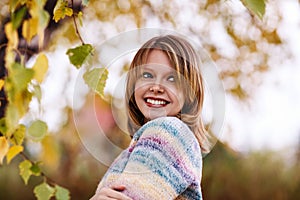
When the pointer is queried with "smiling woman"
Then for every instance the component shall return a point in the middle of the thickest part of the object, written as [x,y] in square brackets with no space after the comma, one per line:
[156,91]
[164,96]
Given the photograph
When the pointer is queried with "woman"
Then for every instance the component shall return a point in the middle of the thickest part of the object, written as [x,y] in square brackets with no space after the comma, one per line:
[165,97]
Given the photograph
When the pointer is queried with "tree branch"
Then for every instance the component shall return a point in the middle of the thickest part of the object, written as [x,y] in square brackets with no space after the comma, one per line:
[75,24]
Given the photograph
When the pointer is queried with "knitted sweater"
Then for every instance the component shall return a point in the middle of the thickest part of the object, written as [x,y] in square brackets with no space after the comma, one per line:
[163,162]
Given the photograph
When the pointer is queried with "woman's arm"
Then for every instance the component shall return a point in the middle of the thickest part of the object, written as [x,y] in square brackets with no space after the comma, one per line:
[113,193]
[165,161]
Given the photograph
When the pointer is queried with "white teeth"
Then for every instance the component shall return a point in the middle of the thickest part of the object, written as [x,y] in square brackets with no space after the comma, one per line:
[156,102]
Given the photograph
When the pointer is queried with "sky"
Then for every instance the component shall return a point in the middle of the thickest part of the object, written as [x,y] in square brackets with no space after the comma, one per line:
[268,120]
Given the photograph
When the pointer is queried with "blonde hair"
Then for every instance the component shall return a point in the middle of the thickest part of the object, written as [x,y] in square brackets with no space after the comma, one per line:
[184,59]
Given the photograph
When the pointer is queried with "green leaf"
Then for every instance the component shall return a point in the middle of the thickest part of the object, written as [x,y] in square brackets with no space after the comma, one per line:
[35,169]
[20,76]
[13,151]
[3,128]
[37,130]
[61,10]
[18,135]
[96,80]
[11,119]
[44,191]
[85,2]
[37,92]
[44,19]
[25,171]
[4,146]
[18,17]
[79,55]
[61,193]
[258,7]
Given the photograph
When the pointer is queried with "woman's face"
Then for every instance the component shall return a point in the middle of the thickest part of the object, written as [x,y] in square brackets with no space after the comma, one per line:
[157,92]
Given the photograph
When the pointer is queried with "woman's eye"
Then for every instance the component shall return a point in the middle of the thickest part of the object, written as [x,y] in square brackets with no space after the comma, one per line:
[147,75]
[171,78]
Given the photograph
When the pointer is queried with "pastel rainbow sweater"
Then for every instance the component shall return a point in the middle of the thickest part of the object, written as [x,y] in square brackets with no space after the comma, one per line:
[162,162]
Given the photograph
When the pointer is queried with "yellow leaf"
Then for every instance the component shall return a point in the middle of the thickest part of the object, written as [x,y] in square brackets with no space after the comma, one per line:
[11,119]
[40,67]
[58,14]
[40,21]
[68,12]
[61,10]
[19,134]
[30,28]
[12,44]
[4,146]
[43,18]
[80,17]
[11,35]
[1,84]
[13,151]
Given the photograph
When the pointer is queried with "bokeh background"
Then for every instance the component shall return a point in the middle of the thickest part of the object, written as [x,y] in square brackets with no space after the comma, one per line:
[257,60]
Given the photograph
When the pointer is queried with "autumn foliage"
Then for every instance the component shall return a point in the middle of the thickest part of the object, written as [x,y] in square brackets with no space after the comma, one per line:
[63,168]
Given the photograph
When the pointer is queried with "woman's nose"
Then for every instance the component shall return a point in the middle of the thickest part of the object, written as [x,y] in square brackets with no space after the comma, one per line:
[157,88]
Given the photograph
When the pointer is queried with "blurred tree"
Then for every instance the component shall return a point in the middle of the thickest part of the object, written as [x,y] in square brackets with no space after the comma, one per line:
[257,175]
[243,46]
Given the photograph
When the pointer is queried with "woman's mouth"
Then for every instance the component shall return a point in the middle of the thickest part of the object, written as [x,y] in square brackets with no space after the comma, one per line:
[156,102]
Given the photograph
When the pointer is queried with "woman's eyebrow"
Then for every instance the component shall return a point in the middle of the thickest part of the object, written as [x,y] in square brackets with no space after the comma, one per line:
[146,67]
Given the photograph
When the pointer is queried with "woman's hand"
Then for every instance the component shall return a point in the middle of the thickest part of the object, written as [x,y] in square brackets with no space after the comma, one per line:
[113,193]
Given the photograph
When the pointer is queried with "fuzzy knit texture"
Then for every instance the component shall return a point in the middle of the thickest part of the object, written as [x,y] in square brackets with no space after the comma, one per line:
[162,162]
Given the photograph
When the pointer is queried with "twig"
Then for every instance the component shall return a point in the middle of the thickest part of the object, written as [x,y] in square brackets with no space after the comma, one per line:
[47,178]
[75,23]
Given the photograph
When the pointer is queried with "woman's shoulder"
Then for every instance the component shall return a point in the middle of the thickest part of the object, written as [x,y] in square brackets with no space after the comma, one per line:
[167,123]
[169,127]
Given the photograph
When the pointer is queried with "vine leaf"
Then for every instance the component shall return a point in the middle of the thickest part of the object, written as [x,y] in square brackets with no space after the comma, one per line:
[18,135]
[61,193]
[85,2]
[37,92]
[30,28]
[61,10]
[3,127]
[258,7]
[80,54]
[18,95]
[35,169]
[25,171]
[20,76]
[37,130]
[4,146]
[40,67]
[11,119]
[13,151]
[18,17]
[43,191]
[13,5]
[96,80]
[12,37]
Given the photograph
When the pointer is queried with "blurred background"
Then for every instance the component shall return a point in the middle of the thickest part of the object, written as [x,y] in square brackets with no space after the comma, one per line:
[257,155]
